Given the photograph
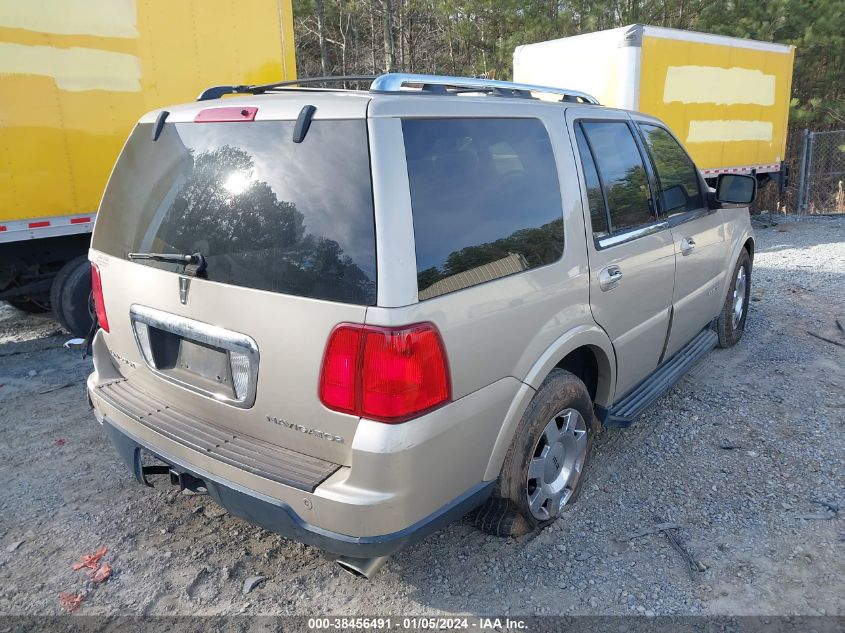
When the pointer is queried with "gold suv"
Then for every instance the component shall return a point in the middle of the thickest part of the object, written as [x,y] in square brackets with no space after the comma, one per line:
[352,316]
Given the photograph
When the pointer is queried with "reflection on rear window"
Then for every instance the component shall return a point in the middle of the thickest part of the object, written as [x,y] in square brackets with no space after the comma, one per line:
[266,213]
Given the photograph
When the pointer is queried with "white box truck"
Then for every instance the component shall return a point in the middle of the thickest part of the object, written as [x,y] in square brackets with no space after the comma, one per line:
[726,98]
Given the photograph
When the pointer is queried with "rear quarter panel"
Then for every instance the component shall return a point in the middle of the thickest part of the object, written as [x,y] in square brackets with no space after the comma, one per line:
[499,328]
[516,327]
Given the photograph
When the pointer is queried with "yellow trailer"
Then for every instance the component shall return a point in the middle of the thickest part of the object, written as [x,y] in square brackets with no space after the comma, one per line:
[75,76]
[726,98]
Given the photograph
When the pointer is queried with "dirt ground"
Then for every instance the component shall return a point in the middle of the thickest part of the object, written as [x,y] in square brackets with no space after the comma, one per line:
[745,454]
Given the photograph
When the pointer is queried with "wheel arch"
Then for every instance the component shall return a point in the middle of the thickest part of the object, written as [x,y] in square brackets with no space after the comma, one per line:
[586,351]
[749,246]
[592,366]
[586,343]
[746,242]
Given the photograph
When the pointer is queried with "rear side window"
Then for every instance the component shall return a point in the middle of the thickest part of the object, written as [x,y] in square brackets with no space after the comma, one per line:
[622,173]
[679,189]
[485,197]
[267,213]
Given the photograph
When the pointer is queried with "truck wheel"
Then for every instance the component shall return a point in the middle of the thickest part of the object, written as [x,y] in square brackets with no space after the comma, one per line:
[29,306]
[543,470]
[731,322]
[58,284]
[70,296]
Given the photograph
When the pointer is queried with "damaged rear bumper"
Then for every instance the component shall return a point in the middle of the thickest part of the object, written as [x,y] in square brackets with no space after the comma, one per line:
[279,517]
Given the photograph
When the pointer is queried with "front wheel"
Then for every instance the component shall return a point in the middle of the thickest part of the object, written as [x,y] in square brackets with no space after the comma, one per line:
[544,468]
[731,322]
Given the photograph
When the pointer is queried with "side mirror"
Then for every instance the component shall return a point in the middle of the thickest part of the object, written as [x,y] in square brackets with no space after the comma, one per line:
[736,189]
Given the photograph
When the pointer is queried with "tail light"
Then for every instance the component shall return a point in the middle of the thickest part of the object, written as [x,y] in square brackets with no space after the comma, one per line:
[385,374]
[97,291]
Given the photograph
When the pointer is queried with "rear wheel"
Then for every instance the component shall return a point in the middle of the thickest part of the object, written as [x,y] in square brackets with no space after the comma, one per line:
[543,470]
[70,296]
[731,323]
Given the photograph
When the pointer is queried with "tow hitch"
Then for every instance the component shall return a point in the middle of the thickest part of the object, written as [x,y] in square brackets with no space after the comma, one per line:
[185,481]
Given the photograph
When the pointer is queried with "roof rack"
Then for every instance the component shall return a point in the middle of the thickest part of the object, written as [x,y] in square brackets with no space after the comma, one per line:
[392,83]
[438,84]
[215,92]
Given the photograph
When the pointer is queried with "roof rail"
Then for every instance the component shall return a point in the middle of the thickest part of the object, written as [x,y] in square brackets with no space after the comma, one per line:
[215,92]
[394,82]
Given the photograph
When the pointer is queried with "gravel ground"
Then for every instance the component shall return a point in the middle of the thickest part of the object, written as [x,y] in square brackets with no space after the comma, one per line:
[743,454]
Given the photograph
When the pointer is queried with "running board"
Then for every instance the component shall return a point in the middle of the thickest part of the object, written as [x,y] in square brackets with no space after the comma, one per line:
[624,412]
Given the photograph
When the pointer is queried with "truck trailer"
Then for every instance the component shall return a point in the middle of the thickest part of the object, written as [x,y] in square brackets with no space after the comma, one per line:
[726,98]
[75,76]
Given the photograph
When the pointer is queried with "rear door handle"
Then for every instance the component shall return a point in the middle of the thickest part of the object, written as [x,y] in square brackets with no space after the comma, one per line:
[609,277]
[687,244]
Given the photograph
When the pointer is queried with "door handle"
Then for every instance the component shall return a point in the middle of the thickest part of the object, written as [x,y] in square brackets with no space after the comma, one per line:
[687,244]
[609,277]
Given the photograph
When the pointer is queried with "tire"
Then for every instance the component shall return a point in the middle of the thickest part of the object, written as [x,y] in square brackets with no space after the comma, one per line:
[731,322]
[71,297]
[29,306]
[59,282]
[563,411]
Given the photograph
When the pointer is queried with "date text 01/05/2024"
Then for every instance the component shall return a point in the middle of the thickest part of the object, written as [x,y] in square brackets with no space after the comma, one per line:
[417,623]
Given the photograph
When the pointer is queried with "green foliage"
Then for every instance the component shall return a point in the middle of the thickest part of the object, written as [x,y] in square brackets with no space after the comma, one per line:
[816,28]
[477,37]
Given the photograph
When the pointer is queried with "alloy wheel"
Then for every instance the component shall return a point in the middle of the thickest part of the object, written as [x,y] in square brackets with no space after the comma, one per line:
[556,464]
[739,296]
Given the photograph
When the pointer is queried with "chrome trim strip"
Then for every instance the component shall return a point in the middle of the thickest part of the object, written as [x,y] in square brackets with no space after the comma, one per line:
[688,216]
[393,82]
[201,333]
[627,236]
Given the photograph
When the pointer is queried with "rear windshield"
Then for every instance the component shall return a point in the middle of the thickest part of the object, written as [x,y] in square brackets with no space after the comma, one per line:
[267,213]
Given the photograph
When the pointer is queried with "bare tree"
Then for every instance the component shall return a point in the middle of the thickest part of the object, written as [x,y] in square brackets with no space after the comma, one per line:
[321,36]
[389,45]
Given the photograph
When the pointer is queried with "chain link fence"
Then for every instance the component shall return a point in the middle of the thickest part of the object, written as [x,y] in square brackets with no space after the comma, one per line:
[821,185]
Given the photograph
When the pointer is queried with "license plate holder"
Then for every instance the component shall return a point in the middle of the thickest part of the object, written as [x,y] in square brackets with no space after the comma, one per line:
[205,361]
[197,356]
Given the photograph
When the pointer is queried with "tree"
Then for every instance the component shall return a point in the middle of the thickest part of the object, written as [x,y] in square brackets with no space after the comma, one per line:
[389,44]
[477,37]
[321,35]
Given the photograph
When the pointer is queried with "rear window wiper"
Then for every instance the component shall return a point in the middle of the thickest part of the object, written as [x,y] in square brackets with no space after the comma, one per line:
[195,263]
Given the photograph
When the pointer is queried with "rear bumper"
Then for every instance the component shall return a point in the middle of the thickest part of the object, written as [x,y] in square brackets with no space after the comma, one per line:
[398,482]
[279,517]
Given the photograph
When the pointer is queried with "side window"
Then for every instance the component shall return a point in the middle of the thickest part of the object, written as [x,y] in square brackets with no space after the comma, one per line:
[485,198]
[679,188]
[595,198]
[622,174]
